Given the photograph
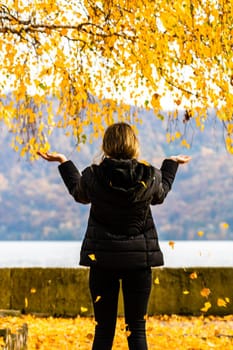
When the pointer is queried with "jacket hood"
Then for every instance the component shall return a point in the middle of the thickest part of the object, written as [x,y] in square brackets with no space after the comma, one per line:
[128,178]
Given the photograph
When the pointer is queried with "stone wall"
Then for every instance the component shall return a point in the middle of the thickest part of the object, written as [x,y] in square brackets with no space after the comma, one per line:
[64,291]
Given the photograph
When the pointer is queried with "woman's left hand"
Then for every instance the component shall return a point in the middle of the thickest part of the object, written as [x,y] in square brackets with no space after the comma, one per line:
[181,158]
[53,157]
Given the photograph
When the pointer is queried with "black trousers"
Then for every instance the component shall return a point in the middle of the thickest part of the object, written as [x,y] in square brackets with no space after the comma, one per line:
[104,287]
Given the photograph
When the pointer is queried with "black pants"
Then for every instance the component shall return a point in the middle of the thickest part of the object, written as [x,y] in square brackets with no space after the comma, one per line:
[104,287]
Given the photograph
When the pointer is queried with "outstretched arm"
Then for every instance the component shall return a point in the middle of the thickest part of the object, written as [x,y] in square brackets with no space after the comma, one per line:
[70,175]
[168,172]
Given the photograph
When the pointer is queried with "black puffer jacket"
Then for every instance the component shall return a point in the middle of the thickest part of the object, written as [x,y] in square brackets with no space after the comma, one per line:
[120,231]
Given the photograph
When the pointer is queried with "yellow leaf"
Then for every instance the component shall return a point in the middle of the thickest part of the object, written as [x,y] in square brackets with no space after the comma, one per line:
[33,290]
[168,137]
[206,307]
[185,143]
[185,292]
[205,292]
[200,233]
[92,257]
[83,309]
[193,275]
[156,281]
[143,184]
[221,302]
[177,102]
[26,302]
[224,225]
[64,31]
[23,151]
[155,101]
[171,244]
[178,134]
[97,298]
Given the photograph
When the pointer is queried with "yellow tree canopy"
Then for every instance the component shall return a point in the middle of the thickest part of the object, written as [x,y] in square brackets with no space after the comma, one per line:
[70,63]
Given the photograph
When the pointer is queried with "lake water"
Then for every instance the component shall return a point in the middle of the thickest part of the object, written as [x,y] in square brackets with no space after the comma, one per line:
[66,253]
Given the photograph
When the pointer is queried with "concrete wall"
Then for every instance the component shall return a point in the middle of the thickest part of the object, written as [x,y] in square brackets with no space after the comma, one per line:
[64,291]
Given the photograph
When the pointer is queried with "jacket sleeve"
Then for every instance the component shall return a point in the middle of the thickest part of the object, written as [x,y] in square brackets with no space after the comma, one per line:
[167,176]
[74,181]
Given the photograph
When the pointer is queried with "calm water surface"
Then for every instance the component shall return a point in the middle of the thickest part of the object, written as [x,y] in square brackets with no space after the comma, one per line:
[66,253]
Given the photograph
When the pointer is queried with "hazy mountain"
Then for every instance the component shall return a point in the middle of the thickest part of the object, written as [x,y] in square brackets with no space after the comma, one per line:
[34,204]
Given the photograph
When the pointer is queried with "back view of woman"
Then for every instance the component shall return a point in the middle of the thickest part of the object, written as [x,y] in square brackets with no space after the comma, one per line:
[121,241]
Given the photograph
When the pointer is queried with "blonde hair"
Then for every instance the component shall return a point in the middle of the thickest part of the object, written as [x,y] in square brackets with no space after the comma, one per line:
[120,142]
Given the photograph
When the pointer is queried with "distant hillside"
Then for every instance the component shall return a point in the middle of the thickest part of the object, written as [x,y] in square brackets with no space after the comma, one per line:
[36,205]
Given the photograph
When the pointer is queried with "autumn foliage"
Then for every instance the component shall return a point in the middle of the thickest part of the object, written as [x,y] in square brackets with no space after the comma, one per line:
[72,64]
[163,332]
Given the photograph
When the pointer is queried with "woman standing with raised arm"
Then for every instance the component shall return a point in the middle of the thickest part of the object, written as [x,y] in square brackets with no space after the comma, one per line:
[121,241]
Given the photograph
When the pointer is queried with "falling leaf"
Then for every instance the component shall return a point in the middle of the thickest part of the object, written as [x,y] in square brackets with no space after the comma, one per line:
[185,143]
[83,309]
[221,302]
[178,134]
[193,275]
[185,292]
[33,290]
[92,257]
[224,225]
[206,307]
[26,302]
[200,233]
[156,280]
[97,298]
[205,292]
[143,184]
[171,244]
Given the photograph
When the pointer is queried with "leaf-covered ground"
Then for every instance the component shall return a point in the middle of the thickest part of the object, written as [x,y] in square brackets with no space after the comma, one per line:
[163,332]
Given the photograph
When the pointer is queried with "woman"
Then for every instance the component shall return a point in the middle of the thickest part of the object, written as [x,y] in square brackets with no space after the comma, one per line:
[121,241]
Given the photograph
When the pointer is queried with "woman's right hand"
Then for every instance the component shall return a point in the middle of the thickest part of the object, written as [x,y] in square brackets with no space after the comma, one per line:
[53,157]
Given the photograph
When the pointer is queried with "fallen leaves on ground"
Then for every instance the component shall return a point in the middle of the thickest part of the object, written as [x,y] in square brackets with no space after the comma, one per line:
[163,332]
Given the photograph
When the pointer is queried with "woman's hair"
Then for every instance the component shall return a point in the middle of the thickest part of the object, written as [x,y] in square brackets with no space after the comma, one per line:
[120,142]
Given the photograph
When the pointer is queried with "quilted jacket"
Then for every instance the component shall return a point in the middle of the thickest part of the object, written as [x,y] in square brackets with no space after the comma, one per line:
[120,231]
